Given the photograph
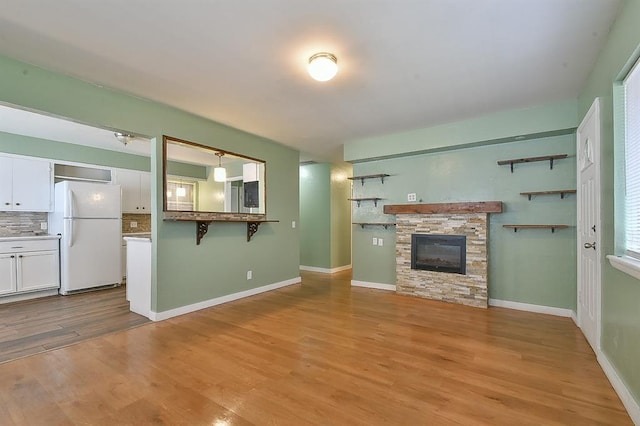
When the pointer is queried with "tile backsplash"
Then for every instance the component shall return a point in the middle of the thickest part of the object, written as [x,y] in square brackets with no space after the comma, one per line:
[142,220]
[16,223]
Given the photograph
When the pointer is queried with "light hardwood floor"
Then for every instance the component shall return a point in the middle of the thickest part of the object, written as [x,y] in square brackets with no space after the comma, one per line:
[320,353]
[38,325]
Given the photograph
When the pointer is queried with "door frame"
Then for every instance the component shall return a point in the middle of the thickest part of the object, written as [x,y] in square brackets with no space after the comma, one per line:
[593,110]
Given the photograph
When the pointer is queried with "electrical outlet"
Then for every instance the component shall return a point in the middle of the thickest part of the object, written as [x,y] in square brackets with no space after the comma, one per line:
[43,226]
[412,197]
[249,275]
[293,224]
[375,241]
[380,242]
[133,224]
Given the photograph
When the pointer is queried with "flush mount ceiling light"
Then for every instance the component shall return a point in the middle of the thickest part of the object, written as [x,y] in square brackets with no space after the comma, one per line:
[124,138]
[323,66]
[220,173]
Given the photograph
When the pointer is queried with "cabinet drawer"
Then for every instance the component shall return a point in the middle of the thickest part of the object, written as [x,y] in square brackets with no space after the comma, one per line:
[27,245]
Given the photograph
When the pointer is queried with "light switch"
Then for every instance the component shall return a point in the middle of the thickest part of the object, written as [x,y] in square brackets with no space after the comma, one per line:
[375,241]
[293,224]
[379,242]
[43,226]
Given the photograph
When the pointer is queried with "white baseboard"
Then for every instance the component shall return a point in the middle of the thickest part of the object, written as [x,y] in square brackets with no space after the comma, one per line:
[574,317]
[550,310]
[621,389]
[27,296]
[378,286]
[324,270]
[160,316]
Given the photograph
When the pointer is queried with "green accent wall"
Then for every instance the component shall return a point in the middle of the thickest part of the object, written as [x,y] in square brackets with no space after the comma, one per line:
[315,215]
[340,215]
[175,168]
[43,148]
[325,215]
[530,266]
[620,292]
[530,123]
[183,273]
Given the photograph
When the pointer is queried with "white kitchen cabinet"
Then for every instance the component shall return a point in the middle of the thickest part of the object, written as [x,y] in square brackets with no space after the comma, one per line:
[136,190]
[25,185]
[7,273]
[29,265]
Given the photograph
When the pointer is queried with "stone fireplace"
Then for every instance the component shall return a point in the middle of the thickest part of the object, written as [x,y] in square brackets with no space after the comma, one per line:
[468,221]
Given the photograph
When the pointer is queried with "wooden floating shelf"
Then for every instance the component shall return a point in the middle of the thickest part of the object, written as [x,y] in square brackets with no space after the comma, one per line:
[385,224]
[202,225]
[374,199]
[549,158]
[562,193]
[362,178]
[441,208]
[552,227]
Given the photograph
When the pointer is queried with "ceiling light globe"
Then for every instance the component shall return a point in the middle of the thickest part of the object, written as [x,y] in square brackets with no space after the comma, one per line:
[219,174]
[323,66]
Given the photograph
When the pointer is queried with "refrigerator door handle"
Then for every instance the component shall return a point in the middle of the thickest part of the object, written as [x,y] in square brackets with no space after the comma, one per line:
[69,232]
[70,202]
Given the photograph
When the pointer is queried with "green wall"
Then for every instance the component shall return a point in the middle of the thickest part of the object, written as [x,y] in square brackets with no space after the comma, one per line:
[325,215]
[340,215]
[530,266]
[210,194]
[315,215]
[530,123]
[35,147]
[183,273]
[620,292]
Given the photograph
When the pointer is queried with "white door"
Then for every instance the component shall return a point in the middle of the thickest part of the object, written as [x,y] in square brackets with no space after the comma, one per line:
[588,210]
[37,270]
[130,182]
[6,183]
[7,273]
[32,180]
[91,250]
[145,192]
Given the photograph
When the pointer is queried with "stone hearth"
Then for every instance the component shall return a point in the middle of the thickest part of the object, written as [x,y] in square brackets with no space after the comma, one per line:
[468,219]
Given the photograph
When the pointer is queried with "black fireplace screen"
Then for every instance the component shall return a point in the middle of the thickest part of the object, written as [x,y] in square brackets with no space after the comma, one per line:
[441,253]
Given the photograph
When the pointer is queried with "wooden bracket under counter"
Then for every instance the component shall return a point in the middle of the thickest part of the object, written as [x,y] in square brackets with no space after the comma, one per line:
[203,220]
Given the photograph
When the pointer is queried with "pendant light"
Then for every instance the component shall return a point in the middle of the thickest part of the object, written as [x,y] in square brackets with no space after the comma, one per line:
[220,173]
[323,66]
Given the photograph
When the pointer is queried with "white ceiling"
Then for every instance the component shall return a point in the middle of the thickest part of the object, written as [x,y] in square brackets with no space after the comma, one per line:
[404,64]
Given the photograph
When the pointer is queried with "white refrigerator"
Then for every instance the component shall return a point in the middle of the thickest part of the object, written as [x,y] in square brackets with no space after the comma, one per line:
[88,217]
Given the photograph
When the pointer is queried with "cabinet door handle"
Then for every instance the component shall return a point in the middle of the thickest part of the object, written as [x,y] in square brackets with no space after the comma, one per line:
[13,256]
[20,257]
[17,204]
[7,204]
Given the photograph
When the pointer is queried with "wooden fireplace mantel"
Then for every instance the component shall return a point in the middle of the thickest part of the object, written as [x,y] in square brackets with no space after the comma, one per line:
[438,208]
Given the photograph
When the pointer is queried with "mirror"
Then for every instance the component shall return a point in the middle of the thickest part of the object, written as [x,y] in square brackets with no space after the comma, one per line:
[202,179]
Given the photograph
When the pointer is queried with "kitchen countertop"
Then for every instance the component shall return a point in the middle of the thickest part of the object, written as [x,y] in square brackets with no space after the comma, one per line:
[136,234]
[27,236]
[137,238]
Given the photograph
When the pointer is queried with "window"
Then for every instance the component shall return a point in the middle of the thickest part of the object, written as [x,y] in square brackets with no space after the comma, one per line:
[631,88]
[180,195]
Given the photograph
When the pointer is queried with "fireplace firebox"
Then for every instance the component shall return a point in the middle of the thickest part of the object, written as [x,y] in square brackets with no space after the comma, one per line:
[440,253]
